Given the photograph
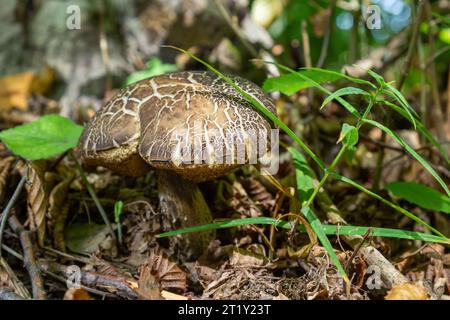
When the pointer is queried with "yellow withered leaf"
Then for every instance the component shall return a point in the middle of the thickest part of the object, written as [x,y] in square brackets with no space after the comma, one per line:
[16,89]
[407,291]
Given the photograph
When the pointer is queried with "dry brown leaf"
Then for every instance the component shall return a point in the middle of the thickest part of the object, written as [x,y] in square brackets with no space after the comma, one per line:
[15,90]
[259,193]
[77,294]
[141,225]
[5,166]
[245,258]
[107,268]
[407,291]
[5,279]
[58,210]
[149,287]
[170,276]
[242,203]
[37,199]
[320,21]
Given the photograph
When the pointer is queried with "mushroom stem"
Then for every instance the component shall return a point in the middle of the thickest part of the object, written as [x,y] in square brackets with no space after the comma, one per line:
[183,203]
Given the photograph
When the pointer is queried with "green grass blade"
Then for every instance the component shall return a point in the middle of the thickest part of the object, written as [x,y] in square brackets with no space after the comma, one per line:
[316,225]
[408,148]
[342,92]
[303,174]
[394,206]
[403,103]
[327,229]
[425,132]
[342,75]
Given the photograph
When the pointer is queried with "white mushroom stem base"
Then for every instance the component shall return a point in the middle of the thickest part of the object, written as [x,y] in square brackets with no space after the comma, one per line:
[183,203]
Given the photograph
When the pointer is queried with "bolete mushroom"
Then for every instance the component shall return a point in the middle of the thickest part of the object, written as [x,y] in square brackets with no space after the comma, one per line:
[190,127]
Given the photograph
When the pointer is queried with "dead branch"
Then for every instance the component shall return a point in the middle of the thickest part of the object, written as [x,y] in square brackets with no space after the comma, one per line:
[123,287]
[29,258]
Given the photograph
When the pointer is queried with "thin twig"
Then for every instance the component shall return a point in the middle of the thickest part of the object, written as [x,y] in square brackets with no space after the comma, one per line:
[7,211]
[122,286]
[68,256]
[236,29]
[29,260]
[326,37]
[357,249]
[55,276]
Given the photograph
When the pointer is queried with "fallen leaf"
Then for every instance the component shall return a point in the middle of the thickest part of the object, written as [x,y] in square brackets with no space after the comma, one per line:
[86,237]
[37,199]
[406,291]
[5,166]
[77,294]
[170,276]
[149,287]
[58,210]
[16,89]
[245,258]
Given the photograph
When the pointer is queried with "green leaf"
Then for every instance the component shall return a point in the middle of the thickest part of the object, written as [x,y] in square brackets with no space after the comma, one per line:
[394,206]
[327,229]
[343,92]
[393,92]
[420,195]
[346,105]
[349,134]
[377,77]
[118,211]
[48,136]
[85,238]
[154,67]
[408,148]
[303,174]
[118,206]
[289,83]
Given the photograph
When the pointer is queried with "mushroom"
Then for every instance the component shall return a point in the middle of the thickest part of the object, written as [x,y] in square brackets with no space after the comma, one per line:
[190,127]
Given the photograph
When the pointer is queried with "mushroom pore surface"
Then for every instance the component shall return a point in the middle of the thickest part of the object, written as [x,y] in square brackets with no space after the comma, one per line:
[145,124]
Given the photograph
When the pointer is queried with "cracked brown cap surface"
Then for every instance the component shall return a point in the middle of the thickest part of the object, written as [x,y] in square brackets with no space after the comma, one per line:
[191,122]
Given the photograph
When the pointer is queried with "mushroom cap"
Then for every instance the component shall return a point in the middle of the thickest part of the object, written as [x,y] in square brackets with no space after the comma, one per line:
[189,122]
